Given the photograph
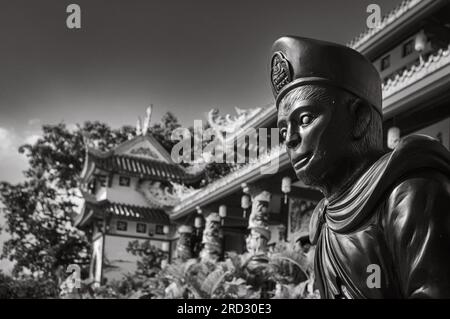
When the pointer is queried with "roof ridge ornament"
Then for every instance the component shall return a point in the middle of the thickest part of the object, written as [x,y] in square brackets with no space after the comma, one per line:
[163,196]
[231,124]
[138,126]
[90,144]
[142,127]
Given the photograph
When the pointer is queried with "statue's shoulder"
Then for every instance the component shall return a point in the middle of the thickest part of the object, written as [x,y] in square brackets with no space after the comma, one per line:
[414,154]
[423,149]
[415,221]
[417,157]
[417,191]
[419,177]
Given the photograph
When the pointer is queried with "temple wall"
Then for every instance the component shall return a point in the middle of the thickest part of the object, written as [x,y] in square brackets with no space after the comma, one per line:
[123,194]
[132,226]
[97,262]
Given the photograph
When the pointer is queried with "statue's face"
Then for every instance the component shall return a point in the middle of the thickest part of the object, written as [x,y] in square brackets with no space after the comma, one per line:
[185,239]
[262,206]
[214,228]
[316,135]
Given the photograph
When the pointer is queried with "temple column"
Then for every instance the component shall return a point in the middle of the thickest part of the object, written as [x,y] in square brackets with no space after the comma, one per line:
[212,239]
[259,236]
[184,244]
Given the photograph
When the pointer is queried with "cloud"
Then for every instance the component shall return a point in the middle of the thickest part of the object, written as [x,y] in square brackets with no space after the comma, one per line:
[10,141]
[33,122]
[12,163]
[31,139]
[7,142]
[5,265]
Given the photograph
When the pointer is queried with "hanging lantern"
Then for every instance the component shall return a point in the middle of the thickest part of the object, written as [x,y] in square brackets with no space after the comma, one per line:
[393,137]
[245,188]
[222,213]
[165,246]
[198,222]
[199,210]
[245,204]
[420,42]
[286,187]
[166,229]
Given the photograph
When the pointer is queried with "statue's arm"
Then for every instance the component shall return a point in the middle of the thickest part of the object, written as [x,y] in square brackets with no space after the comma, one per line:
[417,229]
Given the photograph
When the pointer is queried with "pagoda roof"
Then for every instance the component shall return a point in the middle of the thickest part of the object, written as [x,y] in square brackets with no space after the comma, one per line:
[142,157]
[126,211]
[144,168]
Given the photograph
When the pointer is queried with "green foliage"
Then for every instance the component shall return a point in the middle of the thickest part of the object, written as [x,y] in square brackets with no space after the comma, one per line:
[162,131]
[26,288]
[214,171]
[39,211]
[286,275]
[290,266]
[150,257]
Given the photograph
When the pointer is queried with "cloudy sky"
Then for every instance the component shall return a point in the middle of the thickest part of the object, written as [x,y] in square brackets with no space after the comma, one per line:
[182,56]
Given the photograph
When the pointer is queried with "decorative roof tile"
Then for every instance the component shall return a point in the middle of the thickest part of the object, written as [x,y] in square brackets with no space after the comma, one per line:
[146,168]
[152,215]
[132,212]
[417,72]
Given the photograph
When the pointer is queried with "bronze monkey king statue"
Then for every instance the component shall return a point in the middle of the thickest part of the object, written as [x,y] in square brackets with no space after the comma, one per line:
[385,211]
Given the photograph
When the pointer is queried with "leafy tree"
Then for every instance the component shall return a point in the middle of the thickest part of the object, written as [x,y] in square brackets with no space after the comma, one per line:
[150,257]
[39,211]
[26,287]
[162,131]
[213,170]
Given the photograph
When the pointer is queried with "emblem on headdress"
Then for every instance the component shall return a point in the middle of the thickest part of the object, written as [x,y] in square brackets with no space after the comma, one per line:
[280,73]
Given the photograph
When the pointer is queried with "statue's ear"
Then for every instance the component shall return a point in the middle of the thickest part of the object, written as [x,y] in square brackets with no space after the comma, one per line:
[361,116]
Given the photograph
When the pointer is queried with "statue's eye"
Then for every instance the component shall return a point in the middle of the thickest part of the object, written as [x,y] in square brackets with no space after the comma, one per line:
[306,119]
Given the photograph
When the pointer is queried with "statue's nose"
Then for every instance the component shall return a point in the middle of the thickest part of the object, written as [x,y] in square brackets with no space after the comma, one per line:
[292,137]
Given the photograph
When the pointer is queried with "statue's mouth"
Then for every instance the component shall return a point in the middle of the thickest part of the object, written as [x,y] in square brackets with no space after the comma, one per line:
[301,161]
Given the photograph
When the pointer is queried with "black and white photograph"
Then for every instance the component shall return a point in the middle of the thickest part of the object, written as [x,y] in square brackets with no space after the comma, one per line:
[243,151]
